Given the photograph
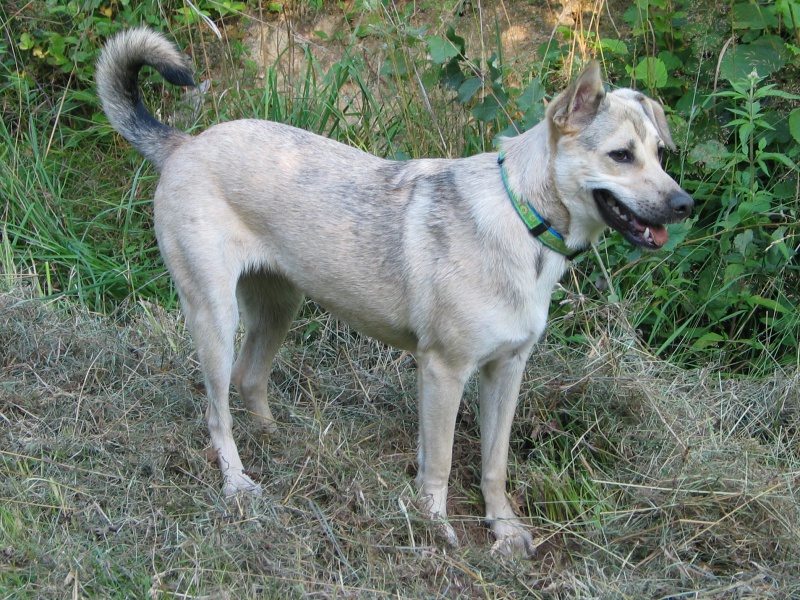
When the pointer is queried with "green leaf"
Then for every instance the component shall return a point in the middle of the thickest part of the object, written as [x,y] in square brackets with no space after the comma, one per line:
[754,16]
[441,50]
[743,240]
[652,71]
[778,243]
[532,95]
[26,41]
[768,303]
[677,233]
[396,64]
[794,124]
[486,110]
[370,24]
[312,327]
[745,131]
[706,340]
[670,60]
[734,272]
[790,11]
[765,56]
[457,40]
[451,75]
[615,46]
[781,158]
[712,154]
[468,89]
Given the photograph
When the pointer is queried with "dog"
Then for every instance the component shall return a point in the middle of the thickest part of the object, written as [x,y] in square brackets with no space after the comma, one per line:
[453,260]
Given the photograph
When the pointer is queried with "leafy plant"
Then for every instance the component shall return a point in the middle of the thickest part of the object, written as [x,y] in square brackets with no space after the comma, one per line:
[749,297]
[729,293]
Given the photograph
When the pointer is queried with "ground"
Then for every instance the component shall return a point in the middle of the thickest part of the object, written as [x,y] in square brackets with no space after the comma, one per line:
[639,479]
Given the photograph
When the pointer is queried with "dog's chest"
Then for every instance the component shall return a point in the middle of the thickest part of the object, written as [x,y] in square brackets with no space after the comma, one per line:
[504,326]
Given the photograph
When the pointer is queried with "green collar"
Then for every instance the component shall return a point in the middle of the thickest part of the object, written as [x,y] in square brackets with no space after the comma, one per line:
[538,226]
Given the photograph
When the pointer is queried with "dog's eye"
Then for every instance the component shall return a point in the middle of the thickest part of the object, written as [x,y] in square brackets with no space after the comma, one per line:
[621,156]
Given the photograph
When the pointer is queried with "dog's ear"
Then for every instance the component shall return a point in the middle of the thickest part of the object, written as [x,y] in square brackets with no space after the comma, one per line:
[655,112]
[576,106]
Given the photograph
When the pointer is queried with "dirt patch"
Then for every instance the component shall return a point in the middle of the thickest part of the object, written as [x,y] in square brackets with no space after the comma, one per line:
[519,27]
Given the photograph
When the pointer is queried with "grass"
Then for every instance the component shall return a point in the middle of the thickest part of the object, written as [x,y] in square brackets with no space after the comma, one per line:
[639,479]
[67,218]
[633,488]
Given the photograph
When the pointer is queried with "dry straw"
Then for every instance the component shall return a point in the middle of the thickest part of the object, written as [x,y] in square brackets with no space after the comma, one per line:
[640,479]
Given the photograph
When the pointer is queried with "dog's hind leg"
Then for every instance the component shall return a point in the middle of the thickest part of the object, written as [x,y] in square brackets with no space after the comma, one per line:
[268,304]
[440,388]
[498,390]
[208,297]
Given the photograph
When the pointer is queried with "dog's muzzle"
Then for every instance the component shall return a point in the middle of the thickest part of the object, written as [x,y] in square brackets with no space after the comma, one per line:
[639,231]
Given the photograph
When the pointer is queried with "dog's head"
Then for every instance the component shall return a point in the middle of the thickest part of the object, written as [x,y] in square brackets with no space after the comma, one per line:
[607,162]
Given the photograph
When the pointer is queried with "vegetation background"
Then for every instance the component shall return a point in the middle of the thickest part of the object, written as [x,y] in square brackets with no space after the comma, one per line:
[656,453]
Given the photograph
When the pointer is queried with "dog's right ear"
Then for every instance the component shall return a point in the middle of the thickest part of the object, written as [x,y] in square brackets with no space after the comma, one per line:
[576,106]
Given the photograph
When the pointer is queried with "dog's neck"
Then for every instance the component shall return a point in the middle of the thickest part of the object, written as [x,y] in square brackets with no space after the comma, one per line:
[539,226]
[533,181]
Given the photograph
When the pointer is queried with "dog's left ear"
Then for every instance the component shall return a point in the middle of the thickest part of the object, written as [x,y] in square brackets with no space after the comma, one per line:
[576,106]
[655,112]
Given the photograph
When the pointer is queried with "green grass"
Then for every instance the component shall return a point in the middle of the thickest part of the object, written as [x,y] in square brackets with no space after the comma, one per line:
[70,224]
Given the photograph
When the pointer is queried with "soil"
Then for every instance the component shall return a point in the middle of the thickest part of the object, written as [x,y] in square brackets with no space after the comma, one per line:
[521,26]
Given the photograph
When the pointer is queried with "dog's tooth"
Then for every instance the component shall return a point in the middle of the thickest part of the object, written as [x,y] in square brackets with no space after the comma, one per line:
[647,235]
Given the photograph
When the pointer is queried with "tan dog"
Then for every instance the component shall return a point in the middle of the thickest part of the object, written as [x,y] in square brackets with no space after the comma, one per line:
[433,256]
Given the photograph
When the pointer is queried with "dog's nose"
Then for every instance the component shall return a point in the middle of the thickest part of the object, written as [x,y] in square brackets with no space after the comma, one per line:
[681,204]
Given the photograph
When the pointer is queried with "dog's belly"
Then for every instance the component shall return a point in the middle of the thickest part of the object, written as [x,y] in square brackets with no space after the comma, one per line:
[371,315]
[469,336]
[395,335]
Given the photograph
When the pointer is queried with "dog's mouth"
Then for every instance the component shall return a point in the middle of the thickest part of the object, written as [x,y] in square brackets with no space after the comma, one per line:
[633,228]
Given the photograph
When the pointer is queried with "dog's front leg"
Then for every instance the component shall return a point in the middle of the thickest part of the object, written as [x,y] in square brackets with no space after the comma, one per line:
[499,388]
[440,386]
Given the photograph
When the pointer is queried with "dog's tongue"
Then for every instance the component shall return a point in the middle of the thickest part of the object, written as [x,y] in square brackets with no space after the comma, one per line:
[660,235]
[657,232]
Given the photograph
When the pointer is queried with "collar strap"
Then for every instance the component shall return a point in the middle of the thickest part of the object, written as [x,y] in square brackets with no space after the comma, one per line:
[539,227]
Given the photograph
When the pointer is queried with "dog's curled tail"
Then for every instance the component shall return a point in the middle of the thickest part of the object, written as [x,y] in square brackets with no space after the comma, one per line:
[117,76]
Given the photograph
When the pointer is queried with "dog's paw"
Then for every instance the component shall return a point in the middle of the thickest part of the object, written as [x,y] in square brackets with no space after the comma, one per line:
[446,531]
[262,415]
[512,538]
[268,427]
[239,483]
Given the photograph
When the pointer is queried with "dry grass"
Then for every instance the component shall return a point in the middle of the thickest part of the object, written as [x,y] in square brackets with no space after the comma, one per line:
[640,480]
